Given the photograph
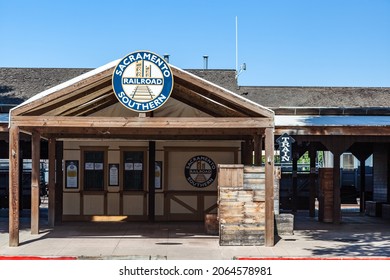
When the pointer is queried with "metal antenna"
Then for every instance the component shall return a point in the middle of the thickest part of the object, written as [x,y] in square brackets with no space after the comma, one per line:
[236,45]
[243,66]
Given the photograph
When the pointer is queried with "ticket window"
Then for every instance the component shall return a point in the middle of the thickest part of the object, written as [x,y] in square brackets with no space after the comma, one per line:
[133,170]
[94,170]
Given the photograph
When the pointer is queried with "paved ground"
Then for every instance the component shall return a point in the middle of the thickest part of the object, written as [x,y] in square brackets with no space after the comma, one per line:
[356,236]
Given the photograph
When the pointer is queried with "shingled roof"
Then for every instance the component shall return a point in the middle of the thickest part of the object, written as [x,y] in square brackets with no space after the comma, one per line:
[19,84]
[325,99]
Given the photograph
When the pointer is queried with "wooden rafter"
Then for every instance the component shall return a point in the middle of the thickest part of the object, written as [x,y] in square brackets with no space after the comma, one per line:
[66,106]
[220,95]
[63,93]
[202,103]
[105,102]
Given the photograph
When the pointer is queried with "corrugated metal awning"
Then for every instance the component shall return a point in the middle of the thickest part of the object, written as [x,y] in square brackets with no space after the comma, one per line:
[325,121]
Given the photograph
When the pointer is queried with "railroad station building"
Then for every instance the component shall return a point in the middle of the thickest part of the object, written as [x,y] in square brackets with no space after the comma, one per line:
[123,143]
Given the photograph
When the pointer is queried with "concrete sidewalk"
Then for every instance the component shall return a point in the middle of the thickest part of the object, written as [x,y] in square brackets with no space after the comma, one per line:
[356,236]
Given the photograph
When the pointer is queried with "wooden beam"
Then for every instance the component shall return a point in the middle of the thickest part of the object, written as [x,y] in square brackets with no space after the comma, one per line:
[35,181]
[94,107]
[14,171]
[222,99]
[247,151]
[149,137]
[59,182]
[312,178]
[215,92]
[150,134]
[51,186]
[144,123]
[362,196]
[258,149]
[66,102]
[82,100]
[202,103]
[336,188]
[295,157]
[269,187]
[362,151]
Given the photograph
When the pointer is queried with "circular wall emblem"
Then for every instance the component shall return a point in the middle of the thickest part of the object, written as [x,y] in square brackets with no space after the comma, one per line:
[200,171]
[142,81]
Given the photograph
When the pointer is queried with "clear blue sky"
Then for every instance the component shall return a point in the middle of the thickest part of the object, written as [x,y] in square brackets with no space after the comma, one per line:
[283,43]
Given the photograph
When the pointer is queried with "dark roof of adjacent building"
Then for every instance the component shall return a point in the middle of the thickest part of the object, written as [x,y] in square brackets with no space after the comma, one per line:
[320,100]
[19,84]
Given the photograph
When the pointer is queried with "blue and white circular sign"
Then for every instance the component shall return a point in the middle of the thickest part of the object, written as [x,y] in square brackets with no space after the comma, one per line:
[142,81]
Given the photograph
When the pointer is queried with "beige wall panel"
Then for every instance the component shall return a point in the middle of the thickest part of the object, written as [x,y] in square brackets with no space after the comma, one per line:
[71,155]
[160,155]
[177,208]
[71,204]
[113,204]
[113,145]
[114,157]
[133,205]
[210,201]
[93,204]
[178,160]
[159,205]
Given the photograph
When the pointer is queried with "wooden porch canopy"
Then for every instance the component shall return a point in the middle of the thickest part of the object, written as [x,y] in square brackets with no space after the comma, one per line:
[339,134]
[86,107]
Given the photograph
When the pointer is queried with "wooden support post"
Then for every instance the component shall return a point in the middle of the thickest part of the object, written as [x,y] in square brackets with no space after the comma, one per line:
[336,188]
[243,152]
[152,180]
[388,173]
[362,151]
[337,145]
[362,164]
[258,147]
[52,165]
[312,178]
[295,179]
[59,182]
[35,181]
[247,152]
[269,187]
[14,171]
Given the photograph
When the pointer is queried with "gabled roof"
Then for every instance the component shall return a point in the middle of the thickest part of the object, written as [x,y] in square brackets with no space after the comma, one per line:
[19,84]
[91,92]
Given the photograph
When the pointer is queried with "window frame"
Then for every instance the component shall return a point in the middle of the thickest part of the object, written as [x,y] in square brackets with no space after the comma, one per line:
[123,150]
[83,150]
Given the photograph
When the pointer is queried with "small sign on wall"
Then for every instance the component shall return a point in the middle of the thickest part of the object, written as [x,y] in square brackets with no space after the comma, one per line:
[200,171]
[113,169]
[72,174]
[158,175]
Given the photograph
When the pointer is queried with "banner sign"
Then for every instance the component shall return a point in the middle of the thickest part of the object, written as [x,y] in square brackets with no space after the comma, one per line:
[285,147]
